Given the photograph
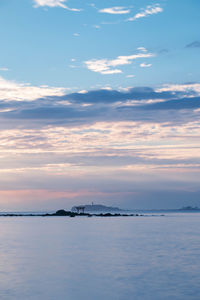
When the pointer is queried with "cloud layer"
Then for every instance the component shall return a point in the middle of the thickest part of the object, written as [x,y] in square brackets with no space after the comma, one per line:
[102,144]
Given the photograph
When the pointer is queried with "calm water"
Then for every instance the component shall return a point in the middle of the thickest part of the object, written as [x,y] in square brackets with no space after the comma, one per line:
[100,258]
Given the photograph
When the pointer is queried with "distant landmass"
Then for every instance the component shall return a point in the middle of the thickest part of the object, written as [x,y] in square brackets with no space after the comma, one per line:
[185,209]
[96,208]
[190,208]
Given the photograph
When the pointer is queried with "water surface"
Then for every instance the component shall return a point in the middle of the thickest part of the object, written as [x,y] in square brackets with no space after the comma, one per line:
[146,258]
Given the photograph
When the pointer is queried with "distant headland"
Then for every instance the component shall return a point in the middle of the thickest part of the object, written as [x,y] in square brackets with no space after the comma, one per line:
[190,208]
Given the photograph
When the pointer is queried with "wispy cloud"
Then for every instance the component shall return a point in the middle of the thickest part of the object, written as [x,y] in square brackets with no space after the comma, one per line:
[116,10]
[149,10]
[144,65]
[54,3]
[143,49]
[130,76]
[195,44]
[106,66]
[4,69]
[96,26]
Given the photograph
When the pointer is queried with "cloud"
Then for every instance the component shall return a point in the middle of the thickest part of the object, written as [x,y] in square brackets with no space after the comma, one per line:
[142,49]
[179,104]
[37,107]
[4,69]
[195,44]
[116,10]
[149,10]
[130,76]
[54,3]
[163,51]
[144,65]
[96,26]
[106,66]
[46,96]
[109,96]
[193,88]
[25,105]
[12,90]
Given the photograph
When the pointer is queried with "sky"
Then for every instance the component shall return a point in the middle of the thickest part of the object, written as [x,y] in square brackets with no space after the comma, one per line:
[99,102]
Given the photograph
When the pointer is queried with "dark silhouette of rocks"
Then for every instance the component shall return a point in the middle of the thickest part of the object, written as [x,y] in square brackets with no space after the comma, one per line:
[64,213]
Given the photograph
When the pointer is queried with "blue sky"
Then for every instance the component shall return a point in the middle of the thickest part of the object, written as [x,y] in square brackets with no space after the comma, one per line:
[99,101]
[38,44]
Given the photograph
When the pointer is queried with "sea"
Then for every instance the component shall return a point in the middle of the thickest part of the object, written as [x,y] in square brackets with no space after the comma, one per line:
[150,257]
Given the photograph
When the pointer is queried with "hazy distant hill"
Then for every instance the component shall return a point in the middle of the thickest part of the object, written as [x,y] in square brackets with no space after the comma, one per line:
[190,208]
[98,208]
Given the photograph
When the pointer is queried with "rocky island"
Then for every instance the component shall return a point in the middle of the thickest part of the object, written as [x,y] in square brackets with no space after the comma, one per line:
[97,208]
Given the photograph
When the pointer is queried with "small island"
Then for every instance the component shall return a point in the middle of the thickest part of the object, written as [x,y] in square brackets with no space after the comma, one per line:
[97,208]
